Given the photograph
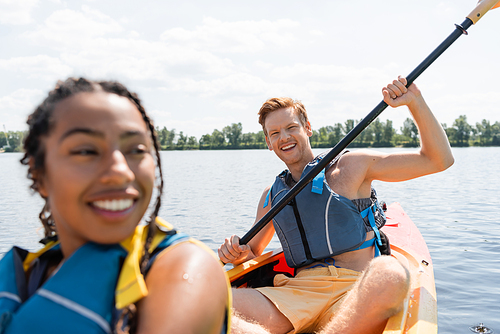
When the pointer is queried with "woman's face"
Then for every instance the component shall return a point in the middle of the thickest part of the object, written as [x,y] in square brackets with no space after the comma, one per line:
[99,170]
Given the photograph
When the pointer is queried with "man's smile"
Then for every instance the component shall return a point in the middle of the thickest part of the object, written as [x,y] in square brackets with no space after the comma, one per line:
[288,147]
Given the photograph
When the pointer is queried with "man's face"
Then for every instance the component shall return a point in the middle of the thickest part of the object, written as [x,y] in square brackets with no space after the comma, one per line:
[287,137]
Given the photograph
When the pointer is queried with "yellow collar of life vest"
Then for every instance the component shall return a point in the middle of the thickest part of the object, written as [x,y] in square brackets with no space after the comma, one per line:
[131,286]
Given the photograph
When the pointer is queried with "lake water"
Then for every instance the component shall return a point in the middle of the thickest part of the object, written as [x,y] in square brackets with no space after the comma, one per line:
[213,194]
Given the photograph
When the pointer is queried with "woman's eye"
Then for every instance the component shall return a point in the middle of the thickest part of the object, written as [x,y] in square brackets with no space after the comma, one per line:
[141,149]
[84,152]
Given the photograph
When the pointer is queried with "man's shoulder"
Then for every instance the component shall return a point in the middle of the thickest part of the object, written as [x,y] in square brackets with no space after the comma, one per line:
[361,154]
[357,156]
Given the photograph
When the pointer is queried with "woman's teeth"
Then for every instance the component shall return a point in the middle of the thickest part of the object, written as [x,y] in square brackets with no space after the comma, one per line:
[114,205]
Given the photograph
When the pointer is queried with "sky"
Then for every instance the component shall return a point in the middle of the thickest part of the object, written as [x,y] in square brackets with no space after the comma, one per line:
[202,65]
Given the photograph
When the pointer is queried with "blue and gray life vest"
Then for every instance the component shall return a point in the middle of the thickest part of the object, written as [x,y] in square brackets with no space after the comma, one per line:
[85,294]
[319,223]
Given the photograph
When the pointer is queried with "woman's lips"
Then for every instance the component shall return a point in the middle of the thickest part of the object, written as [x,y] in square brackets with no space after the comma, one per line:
[114,205]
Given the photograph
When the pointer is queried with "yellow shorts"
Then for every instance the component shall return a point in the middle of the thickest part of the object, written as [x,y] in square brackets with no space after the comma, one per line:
[311,298]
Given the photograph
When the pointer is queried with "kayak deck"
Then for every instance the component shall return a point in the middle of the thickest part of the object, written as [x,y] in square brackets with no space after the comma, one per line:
[419,314]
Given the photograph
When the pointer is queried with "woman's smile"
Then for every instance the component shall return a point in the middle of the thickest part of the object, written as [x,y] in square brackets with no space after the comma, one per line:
[114,205]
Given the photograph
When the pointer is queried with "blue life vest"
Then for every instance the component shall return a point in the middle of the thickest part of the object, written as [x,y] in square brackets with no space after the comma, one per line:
[319,223]
[85,294]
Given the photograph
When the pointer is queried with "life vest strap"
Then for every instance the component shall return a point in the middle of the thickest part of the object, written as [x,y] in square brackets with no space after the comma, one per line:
[266,203]
[377,241]
[317,183]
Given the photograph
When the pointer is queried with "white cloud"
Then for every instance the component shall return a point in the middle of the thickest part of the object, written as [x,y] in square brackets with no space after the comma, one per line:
[332,77]
[143,60]
[40,66]
[316,33]
[91,42]
[477,106]
[16,12]
[16,107]
[233,37]
[237,83]
[69,28]
[233,105]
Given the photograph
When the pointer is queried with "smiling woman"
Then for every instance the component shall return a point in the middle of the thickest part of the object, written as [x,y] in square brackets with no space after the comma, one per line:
[93,157]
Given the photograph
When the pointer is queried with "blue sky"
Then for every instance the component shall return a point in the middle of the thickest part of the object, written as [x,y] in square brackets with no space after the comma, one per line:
[202,65]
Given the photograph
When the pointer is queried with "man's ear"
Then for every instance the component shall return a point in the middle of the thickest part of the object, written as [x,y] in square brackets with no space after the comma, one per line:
[269,146]
[309,129]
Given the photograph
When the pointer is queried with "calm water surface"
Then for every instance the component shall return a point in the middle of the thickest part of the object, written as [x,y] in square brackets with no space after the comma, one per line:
[213,194]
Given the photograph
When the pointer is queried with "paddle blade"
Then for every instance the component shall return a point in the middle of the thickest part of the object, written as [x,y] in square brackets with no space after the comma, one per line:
[482,8]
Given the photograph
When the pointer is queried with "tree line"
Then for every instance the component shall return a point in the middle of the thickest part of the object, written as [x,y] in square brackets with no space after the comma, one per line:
[377,134]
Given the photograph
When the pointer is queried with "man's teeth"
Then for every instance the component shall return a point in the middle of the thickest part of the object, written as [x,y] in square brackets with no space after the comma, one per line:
[114,205]
[287,147]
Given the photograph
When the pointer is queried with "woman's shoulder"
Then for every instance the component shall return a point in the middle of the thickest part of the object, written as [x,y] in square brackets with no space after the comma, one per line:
[189,254]
[188,284]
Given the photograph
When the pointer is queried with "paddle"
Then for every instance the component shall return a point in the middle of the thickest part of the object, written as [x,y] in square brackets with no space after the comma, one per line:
[481,9]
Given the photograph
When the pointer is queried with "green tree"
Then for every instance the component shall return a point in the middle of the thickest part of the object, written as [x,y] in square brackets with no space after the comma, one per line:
[324,134]
[192,143]
[410,130]
[162,136]
[218,139]
[368,135]
[314,139]
[260,139]
[463,131]
[484,131]
[336,135]
[3,139]
[362,137]
[181,141]
[388,133]
[233,134]
[248,139]
[450,133]
[15,140]
[495,134]
[348,126]
[205,141]
[378,131]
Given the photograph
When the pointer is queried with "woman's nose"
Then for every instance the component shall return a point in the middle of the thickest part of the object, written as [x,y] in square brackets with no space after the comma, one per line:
[118,170]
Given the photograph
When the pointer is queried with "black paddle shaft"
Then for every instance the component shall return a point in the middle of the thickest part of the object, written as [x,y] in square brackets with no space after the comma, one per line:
[341,145]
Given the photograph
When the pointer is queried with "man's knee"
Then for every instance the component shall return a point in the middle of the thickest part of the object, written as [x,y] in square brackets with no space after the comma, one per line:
[389,270]
[391,280]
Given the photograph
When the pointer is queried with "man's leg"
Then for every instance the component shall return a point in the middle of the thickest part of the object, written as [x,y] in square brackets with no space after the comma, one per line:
[377,295]
[239,325]
[252,307]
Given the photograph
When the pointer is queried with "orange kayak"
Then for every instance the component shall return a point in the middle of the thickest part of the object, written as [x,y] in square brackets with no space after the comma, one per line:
[419,315]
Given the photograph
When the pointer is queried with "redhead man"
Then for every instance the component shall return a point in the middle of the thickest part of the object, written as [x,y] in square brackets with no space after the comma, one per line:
[341,285]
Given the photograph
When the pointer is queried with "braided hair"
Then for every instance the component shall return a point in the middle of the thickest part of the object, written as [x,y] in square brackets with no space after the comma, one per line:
[41,123]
